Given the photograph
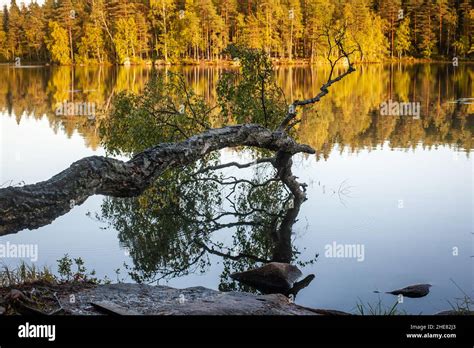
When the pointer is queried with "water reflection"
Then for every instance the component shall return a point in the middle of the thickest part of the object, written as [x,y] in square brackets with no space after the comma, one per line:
[171,231]
[173,228]
[349,116]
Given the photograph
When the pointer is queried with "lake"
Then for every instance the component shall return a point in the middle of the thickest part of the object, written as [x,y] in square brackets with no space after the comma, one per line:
[396,187]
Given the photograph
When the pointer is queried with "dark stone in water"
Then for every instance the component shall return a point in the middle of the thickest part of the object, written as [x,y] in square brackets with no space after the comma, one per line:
[274,277]
[413,291]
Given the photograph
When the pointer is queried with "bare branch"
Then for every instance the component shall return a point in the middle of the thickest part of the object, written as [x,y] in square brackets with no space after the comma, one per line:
[338,44]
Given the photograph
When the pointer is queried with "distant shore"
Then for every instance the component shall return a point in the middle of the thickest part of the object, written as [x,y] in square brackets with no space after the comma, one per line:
[231,63]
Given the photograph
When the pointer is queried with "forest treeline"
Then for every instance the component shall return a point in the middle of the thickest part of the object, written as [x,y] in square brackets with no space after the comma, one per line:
[186,31]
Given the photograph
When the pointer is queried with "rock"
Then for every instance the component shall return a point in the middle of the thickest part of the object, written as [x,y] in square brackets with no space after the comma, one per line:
[413,291]
[108,307]
[15,295]
[159,62]
[274,277]
[162,300]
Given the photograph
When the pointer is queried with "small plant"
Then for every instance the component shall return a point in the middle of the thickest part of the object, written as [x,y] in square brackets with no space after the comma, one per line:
[65,270]
[64,267]
[462,305]
[119,279]
[377,309]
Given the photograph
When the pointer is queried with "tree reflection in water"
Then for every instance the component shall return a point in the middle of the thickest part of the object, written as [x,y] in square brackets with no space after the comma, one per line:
[349,117]
[174,227]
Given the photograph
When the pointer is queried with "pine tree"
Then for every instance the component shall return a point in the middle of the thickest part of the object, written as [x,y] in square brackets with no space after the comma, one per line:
[450,23]
[427,35]
[249,32]
[291,27]
[442,8]
[414,10]
[3,36]
[265,24]
[227,10]
[317,14]
[212,27]
[162,11]
[465,29]
[14,31]
[190,30]
[66,15]
[142,33]
[35,38]
[5,16]
[389,11]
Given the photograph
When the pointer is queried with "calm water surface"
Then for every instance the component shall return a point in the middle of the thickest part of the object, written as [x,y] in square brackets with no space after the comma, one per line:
[401,187]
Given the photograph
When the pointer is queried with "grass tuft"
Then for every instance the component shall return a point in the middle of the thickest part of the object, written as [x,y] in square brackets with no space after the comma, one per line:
[24,274]
[377,309]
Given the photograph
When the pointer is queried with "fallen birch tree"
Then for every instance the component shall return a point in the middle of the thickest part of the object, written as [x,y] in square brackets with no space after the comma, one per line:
[36,205]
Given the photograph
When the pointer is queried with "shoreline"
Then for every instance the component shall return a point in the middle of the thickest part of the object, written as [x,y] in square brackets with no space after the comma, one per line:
[86,299]
[230,63]
[90,299]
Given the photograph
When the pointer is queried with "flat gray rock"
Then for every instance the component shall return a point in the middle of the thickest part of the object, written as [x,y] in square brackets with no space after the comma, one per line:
[163,300]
